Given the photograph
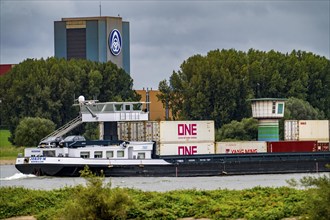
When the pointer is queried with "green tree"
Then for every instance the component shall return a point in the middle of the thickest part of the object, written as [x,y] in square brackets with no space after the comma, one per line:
[246,130]
[165,95]
[31,130]
[47,89]
[298,109]
[92,131]
[218,85]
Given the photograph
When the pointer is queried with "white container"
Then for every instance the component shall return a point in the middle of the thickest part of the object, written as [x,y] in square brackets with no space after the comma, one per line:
[307,130]
[186,131]
[241,147]
[291,130]
[138,131]
[186,148]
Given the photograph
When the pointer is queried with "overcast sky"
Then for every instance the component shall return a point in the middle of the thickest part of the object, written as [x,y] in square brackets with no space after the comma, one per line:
[165,33]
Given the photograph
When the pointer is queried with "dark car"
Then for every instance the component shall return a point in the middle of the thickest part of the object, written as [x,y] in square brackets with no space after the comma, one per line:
[50,142]
[71,140]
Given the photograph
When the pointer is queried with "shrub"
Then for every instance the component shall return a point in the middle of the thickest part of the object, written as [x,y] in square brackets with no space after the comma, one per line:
[318,199]
[31,130]
[97,200]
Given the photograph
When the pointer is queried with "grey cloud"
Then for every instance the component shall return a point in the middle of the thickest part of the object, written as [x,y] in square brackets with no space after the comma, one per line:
[165,33]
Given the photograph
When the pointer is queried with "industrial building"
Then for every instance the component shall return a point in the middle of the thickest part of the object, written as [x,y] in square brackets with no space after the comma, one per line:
[100,39]
[157,111]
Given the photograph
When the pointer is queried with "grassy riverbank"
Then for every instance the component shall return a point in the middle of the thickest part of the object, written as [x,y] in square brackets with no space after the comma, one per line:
[256,203]
[8,152]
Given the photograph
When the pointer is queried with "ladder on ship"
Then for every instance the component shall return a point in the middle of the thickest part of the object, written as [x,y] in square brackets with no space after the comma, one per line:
[65,128]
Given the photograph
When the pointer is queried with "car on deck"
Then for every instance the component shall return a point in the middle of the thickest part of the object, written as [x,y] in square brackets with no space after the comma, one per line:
[69,140]
[50,142]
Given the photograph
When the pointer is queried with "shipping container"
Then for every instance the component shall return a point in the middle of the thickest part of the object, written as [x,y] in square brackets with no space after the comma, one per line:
[268,130]
[306,130]
[186,131]
[138,131]
[241,147]
[186,148]
[291,130]
[122,130]
[152,131]
[291,146]
[322,146]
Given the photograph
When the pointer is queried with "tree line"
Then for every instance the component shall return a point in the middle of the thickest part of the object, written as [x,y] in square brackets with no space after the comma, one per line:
[47,88]
[217,86]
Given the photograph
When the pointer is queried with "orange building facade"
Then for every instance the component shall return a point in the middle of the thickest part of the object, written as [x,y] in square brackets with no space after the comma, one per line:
[157,111]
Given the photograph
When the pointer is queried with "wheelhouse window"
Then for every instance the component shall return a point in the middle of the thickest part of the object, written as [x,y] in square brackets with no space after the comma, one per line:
[141,155]
[84,154]
[48,153]
[109,154]
[120,153]
[280,109]
[98,154]
[128,107]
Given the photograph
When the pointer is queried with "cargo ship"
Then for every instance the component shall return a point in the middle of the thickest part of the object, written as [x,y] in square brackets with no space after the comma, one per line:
[139,159]
[166,148]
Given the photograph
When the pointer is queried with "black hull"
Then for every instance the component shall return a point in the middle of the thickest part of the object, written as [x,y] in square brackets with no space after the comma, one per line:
[195,166]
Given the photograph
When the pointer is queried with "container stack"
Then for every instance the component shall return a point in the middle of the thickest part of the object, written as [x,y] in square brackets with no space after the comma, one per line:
[172,137]
[186,137]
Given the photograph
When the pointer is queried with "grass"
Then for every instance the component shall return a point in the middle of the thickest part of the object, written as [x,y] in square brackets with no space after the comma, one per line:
[4,135]
[7,150]
[122,203]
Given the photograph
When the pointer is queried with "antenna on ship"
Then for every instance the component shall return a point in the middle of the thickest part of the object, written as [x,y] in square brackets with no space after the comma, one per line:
[100,8]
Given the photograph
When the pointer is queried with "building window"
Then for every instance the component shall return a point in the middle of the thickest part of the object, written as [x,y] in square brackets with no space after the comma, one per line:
[120,153]
[274,108]
[141,155]
[76,43]
[109,154]
[84,154]
[98,154]
[280,109]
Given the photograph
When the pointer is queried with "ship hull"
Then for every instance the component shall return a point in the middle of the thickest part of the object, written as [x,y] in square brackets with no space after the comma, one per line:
[185,166]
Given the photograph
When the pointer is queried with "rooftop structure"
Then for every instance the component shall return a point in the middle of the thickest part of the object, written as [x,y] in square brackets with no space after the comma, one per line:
[268,111]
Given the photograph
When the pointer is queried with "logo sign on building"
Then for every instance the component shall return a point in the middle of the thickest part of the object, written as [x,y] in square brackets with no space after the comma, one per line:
[115,42]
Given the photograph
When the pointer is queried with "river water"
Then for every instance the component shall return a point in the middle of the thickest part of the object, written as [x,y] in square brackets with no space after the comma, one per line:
[11,177]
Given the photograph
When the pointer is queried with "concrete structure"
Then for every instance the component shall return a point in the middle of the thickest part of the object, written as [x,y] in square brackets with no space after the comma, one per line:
[100,39]
[268,111]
